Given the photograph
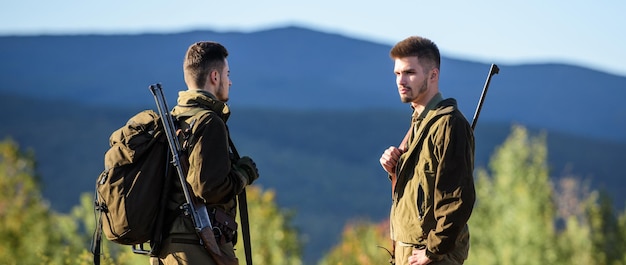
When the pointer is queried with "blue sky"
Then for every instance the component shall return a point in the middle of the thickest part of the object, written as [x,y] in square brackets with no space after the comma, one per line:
[585,33]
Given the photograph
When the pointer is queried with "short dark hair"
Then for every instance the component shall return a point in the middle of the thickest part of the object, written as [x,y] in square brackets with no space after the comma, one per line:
[425,50]
[202,58]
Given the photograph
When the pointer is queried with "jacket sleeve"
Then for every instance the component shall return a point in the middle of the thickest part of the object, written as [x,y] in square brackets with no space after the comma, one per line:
[454,193]
[209,163]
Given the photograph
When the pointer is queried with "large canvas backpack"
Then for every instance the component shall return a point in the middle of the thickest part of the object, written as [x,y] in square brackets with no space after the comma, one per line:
[130,190]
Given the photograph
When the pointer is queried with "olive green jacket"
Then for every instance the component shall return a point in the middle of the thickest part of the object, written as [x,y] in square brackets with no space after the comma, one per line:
[434,194]
[210,175]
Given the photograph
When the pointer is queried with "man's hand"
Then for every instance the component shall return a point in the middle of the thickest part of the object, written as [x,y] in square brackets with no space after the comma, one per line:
[248,169]
[418,257]
[389,160]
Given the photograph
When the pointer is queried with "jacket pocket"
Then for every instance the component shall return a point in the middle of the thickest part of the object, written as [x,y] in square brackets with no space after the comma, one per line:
[420,201]
[424,192]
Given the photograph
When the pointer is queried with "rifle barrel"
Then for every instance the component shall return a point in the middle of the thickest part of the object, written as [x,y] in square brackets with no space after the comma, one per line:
[492,71]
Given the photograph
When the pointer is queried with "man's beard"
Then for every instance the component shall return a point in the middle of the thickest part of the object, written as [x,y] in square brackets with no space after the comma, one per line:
[221,92]
[420,91]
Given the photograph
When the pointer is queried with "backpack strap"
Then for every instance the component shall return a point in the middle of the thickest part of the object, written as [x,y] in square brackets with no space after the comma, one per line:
[96,243]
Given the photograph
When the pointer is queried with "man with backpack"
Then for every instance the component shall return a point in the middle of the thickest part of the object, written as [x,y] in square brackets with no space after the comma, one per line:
[213,177]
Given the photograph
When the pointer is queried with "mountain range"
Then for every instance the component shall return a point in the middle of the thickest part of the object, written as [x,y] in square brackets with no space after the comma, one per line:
[294,67]
[315,109]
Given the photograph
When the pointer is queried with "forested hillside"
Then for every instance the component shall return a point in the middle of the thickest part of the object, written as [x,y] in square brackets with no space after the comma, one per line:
[297,68]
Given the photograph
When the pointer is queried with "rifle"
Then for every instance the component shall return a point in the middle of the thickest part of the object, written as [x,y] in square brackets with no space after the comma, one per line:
[192,207]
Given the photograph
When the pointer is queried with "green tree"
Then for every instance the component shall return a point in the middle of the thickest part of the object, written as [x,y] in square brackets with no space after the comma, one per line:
[24,229]
[574,239]
[273,238]
[521,217]
[31,233]
[608,242]
[514,206]
[622,227]
[359,246]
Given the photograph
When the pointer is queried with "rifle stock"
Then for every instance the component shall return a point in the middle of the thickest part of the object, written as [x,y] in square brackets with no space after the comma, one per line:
[206,235]
[197,210]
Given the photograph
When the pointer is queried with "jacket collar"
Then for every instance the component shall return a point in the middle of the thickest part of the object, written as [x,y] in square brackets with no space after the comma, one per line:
[432,104]
[200,98]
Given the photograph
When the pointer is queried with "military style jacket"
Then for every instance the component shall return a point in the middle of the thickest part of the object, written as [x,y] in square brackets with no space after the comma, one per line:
[210,173]
[434,193]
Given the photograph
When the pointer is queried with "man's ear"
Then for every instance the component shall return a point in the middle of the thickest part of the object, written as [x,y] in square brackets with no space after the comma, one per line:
[214,75]
[434,73]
